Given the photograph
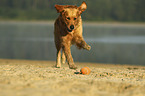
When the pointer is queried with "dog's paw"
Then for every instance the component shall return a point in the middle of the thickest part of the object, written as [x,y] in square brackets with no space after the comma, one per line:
[57,66]
[87,47]
[73,66]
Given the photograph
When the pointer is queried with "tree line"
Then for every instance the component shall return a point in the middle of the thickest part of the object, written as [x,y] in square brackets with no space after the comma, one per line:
[98,10]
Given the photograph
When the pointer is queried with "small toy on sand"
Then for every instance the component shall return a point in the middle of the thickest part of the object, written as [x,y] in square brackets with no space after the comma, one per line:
[85,71]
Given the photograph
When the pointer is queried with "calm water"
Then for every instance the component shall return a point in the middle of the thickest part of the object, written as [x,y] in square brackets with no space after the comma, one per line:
[111,43]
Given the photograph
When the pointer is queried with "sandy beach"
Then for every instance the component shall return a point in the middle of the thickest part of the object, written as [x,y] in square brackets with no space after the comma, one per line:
[41,78]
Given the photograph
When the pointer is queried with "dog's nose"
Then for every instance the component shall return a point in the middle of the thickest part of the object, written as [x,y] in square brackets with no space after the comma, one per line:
[72,27]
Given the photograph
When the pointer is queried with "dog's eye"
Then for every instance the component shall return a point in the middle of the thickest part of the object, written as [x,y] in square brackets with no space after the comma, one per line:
[75,18]
[68,18]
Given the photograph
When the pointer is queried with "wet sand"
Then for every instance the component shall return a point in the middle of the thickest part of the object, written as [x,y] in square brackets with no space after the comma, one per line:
[41,78]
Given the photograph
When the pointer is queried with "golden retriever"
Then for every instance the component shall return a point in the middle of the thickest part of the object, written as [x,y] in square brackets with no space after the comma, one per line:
[68,31]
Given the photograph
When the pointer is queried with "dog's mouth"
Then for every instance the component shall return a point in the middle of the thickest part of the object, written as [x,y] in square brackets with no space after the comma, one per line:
[69,30]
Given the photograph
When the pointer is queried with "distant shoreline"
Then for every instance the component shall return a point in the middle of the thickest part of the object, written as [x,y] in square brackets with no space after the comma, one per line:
[88,23]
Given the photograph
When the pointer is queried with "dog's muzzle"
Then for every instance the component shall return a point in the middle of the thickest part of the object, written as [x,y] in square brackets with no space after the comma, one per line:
[71,28]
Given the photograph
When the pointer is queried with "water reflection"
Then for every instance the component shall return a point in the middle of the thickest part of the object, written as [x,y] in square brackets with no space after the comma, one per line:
[119,44]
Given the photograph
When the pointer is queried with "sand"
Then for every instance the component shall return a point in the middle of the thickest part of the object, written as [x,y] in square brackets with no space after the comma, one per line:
[41,78]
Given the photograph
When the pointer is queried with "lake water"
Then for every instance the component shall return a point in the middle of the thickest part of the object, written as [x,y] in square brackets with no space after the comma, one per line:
[111,43]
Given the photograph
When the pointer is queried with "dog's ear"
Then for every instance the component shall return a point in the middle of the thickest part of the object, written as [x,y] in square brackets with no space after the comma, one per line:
[83,7]
[59,8]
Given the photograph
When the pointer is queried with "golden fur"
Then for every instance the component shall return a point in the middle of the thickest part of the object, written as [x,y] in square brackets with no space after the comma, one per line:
[68,31]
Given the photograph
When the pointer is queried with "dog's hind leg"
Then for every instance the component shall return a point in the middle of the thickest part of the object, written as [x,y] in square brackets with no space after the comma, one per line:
[58,61]
[63,58]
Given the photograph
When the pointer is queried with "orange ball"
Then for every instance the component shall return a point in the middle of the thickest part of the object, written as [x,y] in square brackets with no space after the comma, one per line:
[85,70]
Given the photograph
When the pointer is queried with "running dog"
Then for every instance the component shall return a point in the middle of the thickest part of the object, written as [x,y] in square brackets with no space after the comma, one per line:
[68,31]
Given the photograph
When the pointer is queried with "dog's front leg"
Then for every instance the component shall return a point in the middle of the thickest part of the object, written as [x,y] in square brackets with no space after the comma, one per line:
[81,43]
[85,45]
[67,51]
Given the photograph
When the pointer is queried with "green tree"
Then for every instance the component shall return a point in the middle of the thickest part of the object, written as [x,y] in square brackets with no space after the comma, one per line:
[98,10]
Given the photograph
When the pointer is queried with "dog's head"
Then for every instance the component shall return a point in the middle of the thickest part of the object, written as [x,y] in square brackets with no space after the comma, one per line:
[71,14]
